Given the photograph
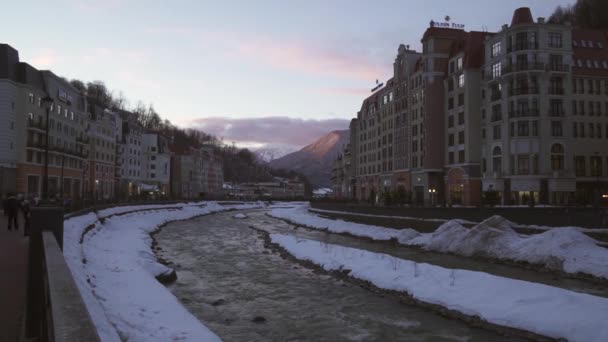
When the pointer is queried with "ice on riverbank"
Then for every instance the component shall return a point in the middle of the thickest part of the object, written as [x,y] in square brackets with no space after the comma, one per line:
[563,249]
[115,269]
[538,308]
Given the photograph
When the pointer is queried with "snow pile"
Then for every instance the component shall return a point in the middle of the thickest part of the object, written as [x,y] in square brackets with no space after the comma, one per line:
[115,270]
[240,216]
[538,308]
[564,249]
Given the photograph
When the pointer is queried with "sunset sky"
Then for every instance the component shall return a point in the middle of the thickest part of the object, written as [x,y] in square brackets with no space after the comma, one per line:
[228,64]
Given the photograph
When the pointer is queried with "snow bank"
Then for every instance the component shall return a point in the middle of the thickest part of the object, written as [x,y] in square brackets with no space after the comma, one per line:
[115,271]
[300,215]
[564,249]
[240,216]
[538,308]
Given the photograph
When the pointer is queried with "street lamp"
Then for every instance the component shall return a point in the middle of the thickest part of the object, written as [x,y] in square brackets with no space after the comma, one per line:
[596,169]
[432,191]
[48,103]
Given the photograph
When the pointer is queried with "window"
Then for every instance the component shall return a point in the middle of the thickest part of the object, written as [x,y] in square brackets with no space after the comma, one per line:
[579,166]
[574,130]
[450,103]
[31,98]
[523,128]
[523,164]
[496,132]
[581,129]
[461,81]
[591,130]
[459,63]
[450,140]
[461,137]
[451,119]
[556,129]
[555,40]
[450,157]
[596,166]
[461,156]
[461,118]
[495,49]
[535,128]
[496,159]
[557,157]
[496,70]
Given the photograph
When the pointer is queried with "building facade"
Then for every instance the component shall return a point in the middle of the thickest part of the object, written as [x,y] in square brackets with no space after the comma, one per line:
[519,114]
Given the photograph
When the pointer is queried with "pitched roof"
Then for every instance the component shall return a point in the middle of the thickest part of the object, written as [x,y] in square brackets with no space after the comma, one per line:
[522,15]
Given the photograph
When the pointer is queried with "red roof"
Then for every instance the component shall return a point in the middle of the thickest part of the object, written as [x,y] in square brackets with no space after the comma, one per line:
[522,15]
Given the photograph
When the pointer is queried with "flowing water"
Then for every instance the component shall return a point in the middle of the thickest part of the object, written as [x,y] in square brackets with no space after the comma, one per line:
[244,292]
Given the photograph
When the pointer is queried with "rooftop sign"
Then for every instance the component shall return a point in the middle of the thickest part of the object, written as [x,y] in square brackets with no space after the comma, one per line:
[446,24]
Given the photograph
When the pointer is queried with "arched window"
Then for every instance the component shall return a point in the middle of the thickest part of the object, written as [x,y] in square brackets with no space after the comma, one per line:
[497,159]
[557,157]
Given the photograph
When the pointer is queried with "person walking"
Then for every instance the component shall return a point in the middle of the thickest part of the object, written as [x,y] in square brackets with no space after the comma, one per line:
[25,209]
[11,209]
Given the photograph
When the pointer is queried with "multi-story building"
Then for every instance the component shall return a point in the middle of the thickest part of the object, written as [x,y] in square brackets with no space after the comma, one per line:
[131,154]
[101,132]
[156,162]
[341,174]
[212,170]
[462,158]
[186,172]
[22,92]
[521,113]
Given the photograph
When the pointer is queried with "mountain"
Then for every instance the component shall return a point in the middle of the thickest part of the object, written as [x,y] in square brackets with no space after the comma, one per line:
[315,161]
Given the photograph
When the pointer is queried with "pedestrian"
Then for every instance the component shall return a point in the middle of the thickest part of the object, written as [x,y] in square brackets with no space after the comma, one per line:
[11,209]
[25,209]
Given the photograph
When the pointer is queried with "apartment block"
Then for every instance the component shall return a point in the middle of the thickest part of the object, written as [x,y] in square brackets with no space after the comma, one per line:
[521,113]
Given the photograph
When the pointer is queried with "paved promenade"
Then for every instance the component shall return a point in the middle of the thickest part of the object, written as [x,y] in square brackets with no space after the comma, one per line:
[13,277]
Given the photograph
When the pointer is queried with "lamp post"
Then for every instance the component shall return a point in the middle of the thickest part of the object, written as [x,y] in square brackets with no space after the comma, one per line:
[596,169]
[432,192]
[48,103]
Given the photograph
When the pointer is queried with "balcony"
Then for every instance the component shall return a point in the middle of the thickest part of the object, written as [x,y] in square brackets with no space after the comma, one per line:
[39,126]
[518,67]
[556,91]
[495,96]
[522,45]
[556,67]
[556,113]
[522,113]
[496,117]
[35,144]
[523,91]
[82,140]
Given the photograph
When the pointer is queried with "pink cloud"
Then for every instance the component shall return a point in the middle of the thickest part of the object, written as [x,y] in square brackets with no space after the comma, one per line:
[307,58]
[45,59]
[290,54]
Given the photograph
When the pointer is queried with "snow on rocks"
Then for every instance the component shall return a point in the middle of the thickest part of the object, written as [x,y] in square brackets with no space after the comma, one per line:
[115,271]
[240,216]
[533,307]
[564,249]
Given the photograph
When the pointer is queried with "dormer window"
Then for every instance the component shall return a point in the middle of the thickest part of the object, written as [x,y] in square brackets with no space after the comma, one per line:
[579,63]
[574,43]
[583,43]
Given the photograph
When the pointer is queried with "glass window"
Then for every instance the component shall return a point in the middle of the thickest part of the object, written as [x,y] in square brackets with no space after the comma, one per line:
[495,49]
[555,40]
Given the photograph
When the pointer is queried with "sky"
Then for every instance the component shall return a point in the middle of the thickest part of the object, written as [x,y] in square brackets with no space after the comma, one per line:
[218,65]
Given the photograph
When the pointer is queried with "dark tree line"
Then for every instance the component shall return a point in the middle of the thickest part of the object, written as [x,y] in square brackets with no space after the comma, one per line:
[240,164]
[590,14]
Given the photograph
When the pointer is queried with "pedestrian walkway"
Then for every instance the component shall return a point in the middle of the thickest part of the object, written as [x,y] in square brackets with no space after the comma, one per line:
[13,280]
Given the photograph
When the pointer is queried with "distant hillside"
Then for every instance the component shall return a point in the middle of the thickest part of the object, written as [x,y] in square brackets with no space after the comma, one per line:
[315,160]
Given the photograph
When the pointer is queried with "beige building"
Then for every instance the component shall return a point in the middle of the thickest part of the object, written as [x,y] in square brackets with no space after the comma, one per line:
[22,151]
[522,113]
[101,136]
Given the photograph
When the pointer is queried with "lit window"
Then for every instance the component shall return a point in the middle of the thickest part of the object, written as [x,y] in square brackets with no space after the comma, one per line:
[495,49]
[459,63]
[496,70]
[31,98]
[461,81]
